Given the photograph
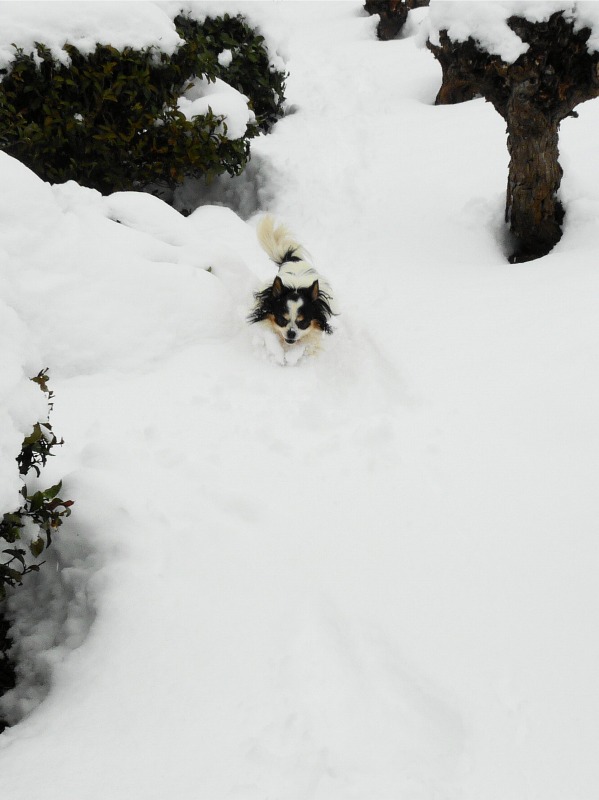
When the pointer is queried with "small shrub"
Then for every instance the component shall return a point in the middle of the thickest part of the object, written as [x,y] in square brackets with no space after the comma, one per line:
[109,119]
[38,446]
[30,528]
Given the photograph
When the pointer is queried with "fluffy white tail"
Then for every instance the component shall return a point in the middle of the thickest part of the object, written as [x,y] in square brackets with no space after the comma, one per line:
[279,242]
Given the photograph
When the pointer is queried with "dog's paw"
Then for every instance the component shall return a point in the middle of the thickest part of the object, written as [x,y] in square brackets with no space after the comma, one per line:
[294,355]
[272,345]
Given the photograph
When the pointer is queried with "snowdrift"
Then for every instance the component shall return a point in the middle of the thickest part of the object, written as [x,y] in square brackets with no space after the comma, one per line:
[371,575]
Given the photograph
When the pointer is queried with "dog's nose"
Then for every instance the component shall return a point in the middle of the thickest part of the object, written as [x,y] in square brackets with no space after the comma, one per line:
[291,334]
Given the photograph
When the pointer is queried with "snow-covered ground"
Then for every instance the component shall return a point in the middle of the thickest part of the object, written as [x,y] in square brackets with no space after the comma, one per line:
[369,576]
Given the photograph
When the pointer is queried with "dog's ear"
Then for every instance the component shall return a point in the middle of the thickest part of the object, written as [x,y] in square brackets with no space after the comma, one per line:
[277,287]
[314,290]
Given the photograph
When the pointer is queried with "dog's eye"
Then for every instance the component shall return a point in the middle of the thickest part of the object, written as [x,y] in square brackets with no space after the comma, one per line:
[302,323]
[281,321]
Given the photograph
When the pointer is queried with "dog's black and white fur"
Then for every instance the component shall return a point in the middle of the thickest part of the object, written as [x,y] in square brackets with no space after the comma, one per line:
[297,306]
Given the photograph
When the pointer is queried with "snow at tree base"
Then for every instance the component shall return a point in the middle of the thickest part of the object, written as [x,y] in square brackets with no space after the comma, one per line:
[371,575]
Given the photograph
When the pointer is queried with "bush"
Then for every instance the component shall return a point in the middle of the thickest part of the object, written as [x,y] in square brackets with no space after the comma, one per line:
[29,529]
[109,120]
[249,71]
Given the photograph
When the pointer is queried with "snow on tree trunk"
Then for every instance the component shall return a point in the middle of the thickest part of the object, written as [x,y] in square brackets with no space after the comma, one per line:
[534,93]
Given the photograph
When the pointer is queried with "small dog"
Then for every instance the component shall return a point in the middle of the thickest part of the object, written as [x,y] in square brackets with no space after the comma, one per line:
[298,304]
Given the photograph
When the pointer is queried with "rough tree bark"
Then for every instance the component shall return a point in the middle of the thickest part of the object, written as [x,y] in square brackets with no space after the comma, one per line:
[392,15]
[533,95]
[532,206]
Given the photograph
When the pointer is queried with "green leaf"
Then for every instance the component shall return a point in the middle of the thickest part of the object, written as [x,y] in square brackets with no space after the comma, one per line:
[50,494]
[34,436]
[36,501]
[37,547]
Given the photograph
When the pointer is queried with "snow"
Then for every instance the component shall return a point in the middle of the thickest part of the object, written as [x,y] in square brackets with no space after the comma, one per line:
[370,575]
[202,95]
[225,58]
[486,22]
[135,24]
[84,25]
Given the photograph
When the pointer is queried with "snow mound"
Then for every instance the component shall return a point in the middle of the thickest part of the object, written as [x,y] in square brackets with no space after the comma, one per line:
[368,575]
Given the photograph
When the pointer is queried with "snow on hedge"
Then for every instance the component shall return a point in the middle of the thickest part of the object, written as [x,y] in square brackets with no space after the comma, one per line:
[84,25]
[486,22]
[138,25]
[24,197]
[217,96]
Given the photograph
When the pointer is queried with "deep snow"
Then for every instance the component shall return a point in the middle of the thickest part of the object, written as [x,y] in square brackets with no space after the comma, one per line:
[371,575]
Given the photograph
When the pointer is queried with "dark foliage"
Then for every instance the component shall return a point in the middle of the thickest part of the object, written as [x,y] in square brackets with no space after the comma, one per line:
[109,120]
[42,511]
[38,446]
[250,70]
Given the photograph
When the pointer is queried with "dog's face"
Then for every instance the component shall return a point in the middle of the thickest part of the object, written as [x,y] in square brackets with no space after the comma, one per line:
[294,313]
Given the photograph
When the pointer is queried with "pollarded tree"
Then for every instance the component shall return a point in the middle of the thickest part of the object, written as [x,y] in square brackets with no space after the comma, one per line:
[554,72]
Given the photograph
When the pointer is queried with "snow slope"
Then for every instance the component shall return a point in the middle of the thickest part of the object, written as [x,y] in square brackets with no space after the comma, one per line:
[371,575]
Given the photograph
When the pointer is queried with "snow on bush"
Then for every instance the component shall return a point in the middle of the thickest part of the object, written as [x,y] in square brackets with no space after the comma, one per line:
[202,96]
[21,402]
[84,25]
[173,280]
[112,116]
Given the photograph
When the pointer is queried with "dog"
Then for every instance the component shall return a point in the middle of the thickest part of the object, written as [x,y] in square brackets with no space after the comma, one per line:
[297,306]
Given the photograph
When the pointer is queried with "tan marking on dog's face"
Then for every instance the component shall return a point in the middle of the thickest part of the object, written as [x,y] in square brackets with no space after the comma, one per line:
[309,337]
[289,323]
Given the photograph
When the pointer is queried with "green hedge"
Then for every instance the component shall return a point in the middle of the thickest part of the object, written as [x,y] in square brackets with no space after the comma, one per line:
[109,120]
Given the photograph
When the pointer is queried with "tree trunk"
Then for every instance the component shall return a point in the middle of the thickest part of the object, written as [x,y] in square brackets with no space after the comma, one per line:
[532,208]
[392,17]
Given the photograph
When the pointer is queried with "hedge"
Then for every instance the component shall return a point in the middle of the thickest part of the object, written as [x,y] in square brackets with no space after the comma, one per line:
[109,119]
